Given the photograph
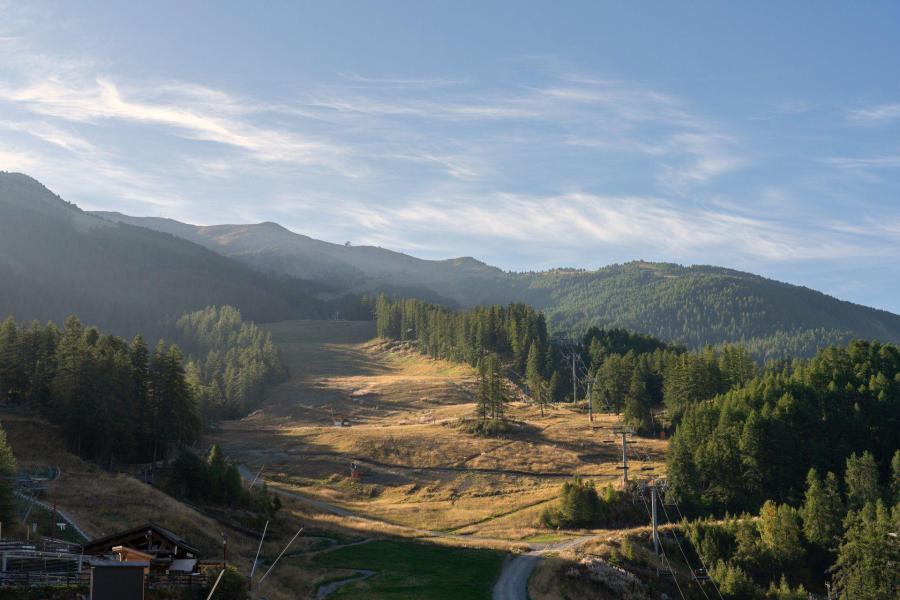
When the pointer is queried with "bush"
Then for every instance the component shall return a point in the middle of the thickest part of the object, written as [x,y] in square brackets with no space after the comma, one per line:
[579,506]
[487,427]
[215,481]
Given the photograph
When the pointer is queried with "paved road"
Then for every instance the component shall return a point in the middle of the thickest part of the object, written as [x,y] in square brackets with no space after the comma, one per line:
[513,581]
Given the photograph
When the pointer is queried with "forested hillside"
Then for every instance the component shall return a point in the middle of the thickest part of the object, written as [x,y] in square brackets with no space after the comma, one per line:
[56,260]
[804,451]
[703,305]
[813,449]
[692,306]
[232,362]
[114,400]
[632,374]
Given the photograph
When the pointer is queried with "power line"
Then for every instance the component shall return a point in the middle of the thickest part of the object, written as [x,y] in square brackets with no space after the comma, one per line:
[665,558]
[677,543]
[700,556]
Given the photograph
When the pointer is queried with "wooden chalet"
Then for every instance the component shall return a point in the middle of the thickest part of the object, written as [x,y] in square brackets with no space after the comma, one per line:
[163,551]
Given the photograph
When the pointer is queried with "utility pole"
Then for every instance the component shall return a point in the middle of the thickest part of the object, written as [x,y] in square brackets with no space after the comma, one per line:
[653,518]
[590,399]
[624,466]
[574,380]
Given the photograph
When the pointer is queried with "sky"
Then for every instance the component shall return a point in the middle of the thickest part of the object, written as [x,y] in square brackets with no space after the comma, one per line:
[760,136]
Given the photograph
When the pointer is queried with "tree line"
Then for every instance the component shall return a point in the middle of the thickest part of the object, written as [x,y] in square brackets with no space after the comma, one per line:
[839,527]
[114,400]
[232,362]
[631,373]
[118,401]
[758,441]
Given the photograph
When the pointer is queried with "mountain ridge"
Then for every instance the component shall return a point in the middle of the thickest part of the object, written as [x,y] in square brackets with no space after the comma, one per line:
[693,305]
[113,269]
[57,260]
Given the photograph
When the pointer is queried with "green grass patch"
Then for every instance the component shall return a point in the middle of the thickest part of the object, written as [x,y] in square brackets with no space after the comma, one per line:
[408,570]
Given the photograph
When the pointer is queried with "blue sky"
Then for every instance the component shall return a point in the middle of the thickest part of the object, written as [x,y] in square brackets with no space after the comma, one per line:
[759,136]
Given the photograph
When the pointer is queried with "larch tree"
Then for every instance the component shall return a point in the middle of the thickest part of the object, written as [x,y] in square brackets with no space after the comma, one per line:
[7,480]
[822,510]
[861,479]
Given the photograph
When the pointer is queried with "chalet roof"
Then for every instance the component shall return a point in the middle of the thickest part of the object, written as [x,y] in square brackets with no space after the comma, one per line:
[159,530]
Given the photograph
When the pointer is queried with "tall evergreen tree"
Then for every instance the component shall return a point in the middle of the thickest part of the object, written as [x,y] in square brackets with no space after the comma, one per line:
[895,478]
[71,383]
[533,370]
[637,404]
[861,479]
[866,566]
[822,510]
[780,532]
[7,480]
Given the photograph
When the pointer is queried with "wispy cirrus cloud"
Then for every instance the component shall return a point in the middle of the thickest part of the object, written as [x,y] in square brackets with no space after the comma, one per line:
[866,162]
[581,222]
[875,114]
[201,114]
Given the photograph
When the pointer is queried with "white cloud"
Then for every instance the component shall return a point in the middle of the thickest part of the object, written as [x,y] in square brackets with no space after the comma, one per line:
[869,162]
[580,222]
[876,113]
[193,115]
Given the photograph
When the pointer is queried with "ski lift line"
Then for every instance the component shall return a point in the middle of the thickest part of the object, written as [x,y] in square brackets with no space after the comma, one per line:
[255,479]
[683,553]
[279,557]
[663,550]
[259,549]
[700,556]
[215,585]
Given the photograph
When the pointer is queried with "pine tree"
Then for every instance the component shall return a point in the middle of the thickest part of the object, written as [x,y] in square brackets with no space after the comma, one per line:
[71,383]
[866,566]
[861,479]
[483,399]
[11,374]
[533,370]
[780,532]
[784,592]
[683,477]
[140,371]
[7,480]
[822,510]
[754,447]
[637,404]
[895,477]
[216,472]
[497,386]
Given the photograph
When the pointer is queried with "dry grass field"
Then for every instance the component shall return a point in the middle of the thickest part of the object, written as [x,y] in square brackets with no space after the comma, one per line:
[419,470]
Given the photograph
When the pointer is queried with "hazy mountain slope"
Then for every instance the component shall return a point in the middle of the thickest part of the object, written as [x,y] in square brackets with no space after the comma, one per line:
[56,260]
[272,248]
[694,306]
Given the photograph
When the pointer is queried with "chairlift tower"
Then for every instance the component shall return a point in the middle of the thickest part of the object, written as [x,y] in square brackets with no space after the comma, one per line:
[654,488]
[624,432]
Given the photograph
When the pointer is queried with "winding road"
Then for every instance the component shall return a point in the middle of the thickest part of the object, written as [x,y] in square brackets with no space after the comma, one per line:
[512,584]
[513,581]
